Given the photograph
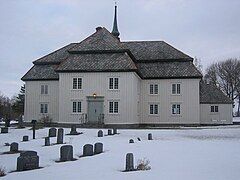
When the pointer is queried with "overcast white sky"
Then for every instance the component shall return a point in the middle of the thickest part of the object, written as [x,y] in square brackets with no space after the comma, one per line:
[29,29]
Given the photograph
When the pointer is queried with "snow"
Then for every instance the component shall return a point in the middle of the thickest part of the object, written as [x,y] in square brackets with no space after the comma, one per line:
[199,154]
[236,119]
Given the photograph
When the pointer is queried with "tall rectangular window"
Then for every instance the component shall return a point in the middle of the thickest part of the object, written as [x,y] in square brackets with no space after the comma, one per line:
[176,109]
[44,108]
[113,107]
[176,88]
[113,83]
[76,107]
[153,89]
[77,83]
[153,109]
[44,89]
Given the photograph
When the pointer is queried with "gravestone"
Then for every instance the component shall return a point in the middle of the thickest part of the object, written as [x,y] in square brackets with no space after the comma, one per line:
[100,133]
[27,160]
[4,130]
[25,138]
[109,132]
[52,132]
[129,162]
[66,153]
[98,148]
[47,141]
[60,136]
[131,141]
[150,136]
[138,139]
[88,150]
[73,130]
[114,130]
[14,147]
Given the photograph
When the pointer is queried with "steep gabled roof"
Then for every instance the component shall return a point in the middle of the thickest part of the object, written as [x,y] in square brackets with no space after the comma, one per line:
[155,50]
[210,94]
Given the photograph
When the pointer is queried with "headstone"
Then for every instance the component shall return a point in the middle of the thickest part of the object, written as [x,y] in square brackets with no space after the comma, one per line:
[100,133]
[27,160]
[88,150]
[138,139]
[4,130]
[109,132]
[150,136]
[98,148]
[66,153]
[131,141]
[14,147]
[60,136]
[73,130]
[34,127]
[25,138]
[114,130]
[52,132]
[47,141]
[129,162]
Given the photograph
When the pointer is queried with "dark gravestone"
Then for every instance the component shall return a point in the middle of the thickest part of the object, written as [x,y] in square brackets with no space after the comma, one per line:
[98,148]
[14,147]
[66,153]
[131,141]
[60,136]
[47,141]
[88,150]
[129,162]
[52,132]
[100,133]
[27,160]
[115,131]
[73,130]
[4,130]
[25,138]
[109,132]
[138,139]
[150,136]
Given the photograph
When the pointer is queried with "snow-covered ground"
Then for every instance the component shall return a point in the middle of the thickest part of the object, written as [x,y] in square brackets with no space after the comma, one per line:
[236,119]
[184,154]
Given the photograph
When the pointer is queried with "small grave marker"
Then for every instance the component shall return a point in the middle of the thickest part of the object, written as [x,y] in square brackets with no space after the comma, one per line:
[14,147]
[98,148]
[88,150]
[60,136]
[52,132]
[47,141]
[25,138]
[100,133]
[4,130]
[150,136]
[27,160]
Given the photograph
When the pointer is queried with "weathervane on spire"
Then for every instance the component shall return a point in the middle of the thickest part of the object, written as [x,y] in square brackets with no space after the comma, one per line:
[115,31]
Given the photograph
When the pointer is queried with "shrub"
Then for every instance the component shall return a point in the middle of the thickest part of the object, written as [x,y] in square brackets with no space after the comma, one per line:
[143,164]
[46,120]
[2,172]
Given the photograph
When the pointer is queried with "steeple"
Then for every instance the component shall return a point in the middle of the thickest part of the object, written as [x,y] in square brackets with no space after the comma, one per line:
[115,31]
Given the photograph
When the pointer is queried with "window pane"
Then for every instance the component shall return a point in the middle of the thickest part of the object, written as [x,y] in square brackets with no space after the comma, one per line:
[74,107]
[178,89]
[151,88]
[115,107]
[178,109]
[173,88]
[115,83]
[173,109]
[42,108]
[110,83]
[79,83]
[155,109]
[151,109]
[42,89]
[212,108]
[46,108]
[46,89]
[74,83]
[156,89]
[110,107]
[79,107]
[216,108]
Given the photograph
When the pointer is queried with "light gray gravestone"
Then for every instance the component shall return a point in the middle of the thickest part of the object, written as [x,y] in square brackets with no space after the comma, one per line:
[66,153]
[88,150]
[73,130]
[131,141]
[98,148]
[129,162]
[109,131]
[100,133]
[47,141]
[25,138]
[4,130]
[52,132]
[27,160]
[14,147]
[150,136]
[114,130]
[60,136]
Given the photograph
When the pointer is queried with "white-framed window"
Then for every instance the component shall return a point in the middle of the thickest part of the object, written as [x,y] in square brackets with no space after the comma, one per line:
[44,89]
[113,83]
[113,107]
[153,89]
[76,106]
[176,109]
[214,109]
[77,83]
[44,108]
[176,88]
[153,109]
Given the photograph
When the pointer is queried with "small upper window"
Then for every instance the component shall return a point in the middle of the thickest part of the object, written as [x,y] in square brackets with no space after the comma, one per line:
[153,89]
[44,89]
[176,88]
[77,83]
[176,109]
[76,107]
[214,109]
[113,83]
[113,107]
[153,109]
[44,108]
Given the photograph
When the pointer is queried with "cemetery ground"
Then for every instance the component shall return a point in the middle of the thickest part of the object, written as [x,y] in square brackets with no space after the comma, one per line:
[186,153]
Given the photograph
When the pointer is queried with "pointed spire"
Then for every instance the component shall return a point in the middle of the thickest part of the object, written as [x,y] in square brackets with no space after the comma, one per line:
[115,31]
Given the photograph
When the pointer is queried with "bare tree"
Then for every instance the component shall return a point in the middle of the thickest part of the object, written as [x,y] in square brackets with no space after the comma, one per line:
[197,62]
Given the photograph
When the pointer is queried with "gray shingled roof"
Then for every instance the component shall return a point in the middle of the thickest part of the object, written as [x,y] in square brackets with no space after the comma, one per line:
[98,62]
[210,94]
[168,70]
[41,72]
[55,57]
[154,50]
